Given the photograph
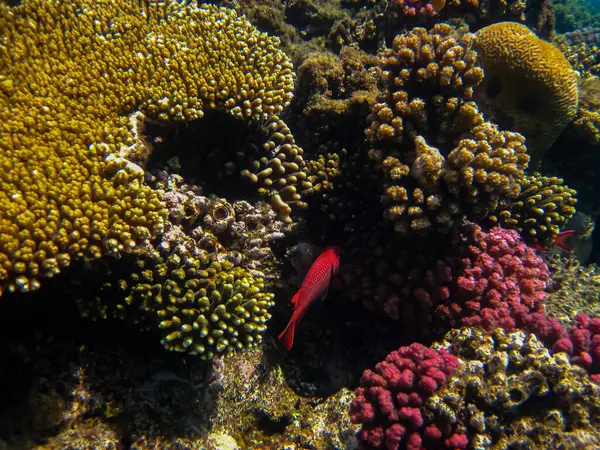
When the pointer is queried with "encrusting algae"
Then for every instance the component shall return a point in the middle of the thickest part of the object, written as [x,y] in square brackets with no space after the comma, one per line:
[71,75]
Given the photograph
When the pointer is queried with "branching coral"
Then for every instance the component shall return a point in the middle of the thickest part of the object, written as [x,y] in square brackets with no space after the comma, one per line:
[71,74]
[484,171]
[428,79]
[281,173]
[543,208]
[424,72]
[475,389]
[501,281]
[200,305]
[413,200]
[487,279]
[389,402]
[486,167]
[529,85]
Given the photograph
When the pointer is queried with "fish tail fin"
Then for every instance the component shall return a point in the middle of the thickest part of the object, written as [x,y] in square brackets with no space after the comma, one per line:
[287,335]
[561,240]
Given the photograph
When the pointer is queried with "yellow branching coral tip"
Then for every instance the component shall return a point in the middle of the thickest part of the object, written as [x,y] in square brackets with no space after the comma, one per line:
[542,209]
[423,68]
[528,82]
[488,165]
[71,76]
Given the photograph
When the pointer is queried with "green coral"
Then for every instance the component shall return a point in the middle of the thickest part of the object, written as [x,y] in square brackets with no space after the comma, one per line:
[496,395]
[543,208]
[71,76]
[574,288]
[200,305]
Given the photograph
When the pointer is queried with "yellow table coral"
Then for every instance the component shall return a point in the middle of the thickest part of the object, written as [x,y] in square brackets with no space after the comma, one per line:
[529,86]
[72,73]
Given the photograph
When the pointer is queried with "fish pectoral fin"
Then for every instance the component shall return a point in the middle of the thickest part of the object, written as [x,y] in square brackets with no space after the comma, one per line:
[296,297]
[328,285]
[325,294]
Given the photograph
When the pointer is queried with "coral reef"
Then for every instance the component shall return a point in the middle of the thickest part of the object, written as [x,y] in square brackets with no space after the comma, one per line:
[426,71]
[402,14]
[574,288]
[584,57]
[99,392]
[486,169]
[411,199]
[529,85]
[388,403]
[147,155]
[240,232]
[65,101]
[428,79]
[588,35]
[200,305]
[487,279]
[572,15]
[330,86]
[477,390]
[500,283]
[280,174]
[543,208]
[481,173]
[494,396]
[587,122]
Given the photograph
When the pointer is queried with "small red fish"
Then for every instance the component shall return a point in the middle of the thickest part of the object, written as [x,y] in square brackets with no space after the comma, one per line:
[560,241]
[315,285]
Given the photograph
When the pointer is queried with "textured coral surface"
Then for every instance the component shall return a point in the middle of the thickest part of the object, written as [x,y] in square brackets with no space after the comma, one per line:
[530,87]
[72,72]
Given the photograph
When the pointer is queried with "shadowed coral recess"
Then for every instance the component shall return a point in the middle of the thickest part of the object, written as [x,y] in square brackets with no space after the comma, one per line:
[70,75]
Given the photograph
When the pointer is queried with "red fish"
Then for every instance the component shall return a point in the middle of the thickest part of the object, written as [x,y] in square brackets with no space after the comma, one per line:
[315,285]
[560,241]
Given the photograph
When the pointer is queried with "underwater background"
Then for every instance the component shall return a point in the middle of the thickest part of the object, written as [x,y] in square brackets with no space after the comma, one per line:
[418,175]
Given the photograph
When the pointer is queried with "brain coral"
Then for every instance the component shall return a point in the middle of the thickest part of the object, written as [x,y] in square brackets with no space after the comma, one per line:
[70,75]
[529,86]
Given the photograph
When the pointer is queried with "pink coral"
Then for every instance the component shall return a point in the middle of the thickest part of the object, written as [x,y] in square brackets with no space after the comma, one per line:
[489,279]
[502,281]
[581,342]
[585,339]
[420,9]
[388,402]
